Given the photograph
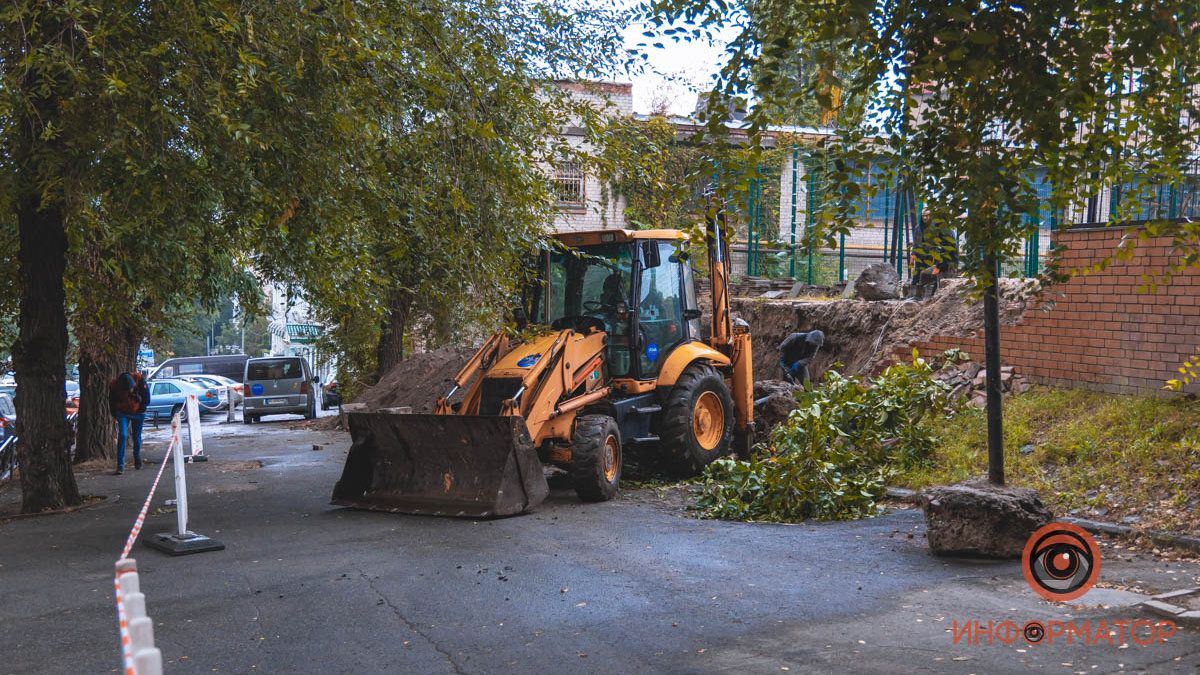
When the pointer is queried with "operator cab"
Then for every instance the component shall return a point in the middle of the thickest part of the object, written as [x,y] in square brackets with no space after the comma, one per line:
[635,285]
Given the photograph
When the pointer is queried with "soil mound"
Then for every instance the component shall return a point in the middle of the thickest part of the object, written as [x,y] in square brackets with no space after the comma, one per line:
[862,335]
[418,381]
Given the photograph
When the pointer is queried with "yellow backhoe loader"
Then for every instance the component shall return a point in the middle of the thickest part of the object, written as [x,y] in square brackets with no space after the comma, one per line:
[622,361]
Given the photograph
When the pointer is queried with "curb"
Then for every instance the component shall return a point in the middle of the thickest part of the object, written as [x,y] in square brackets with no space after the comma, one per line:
[1158,605]
[1160,538]
[103,501]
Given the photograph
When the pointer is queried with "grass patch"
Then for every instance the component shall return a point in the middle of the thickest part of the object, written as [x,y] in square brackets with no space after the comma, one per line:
[1100,455]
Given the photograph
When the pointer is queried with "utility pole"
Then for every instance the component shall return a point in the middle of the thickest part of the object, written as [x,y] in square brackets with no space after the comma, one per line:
[991,339]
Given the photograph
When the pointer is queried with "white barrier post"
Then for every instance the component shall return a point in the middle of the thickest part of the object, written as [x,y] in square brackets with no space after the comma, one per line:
[183,541]
[195,435]
[229,404]
[137,630]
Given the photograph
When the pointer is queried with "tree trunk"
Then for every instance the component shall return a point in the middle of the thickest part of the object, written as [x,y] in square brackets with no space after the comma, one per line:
[104,353]
[391,332]
[39,358]
[96,431]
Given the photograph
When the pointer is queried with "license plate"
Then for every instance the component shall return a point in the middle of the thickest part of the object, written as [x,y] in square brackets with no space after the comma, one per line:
[277,401]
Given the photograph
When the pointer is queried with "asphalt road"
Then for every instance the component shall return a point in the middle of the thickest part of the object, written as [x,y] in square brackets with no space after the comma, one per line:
[627,586]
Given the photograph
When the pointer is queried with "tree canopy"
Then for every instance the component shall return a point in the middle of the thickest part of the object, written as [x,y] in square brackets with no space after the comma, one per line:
[972,104]
[384,156]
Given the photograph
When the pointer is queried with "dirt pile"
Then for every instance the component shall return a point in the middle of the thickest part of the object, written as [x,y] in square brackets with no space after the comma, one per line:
[774,400]
[418,381]
[861,335]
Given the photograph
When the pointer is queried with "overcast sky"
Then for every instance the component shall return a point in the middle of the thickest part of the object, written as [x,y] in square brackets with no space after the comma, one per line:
[675,73]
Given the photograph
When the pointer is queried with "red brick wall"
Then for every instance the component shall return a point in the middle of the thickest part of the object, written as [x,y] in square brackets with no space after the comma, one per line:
[1101,333]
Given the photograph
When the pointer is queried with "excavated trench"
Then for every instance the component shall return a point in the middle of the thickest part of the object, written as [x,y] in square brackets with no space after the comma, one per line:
[863,335]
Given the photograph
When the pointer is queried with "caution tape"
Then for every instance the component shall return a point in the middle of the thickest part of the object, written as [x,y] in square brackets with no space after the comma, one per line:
[141,518]
[126,566]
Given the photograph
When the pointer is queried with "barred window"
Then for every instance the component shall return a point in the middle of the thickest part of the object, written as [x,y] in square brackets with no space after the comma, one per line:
[568,184]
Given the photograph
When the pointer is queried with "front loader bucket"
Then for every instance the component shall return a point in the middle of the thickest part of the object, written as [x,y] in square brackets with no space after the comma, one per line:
[443,465]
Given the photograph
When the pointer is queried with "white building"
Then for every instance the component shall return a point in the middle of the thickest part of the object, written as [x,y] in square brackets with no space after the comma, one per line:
[583,202]
[295,330]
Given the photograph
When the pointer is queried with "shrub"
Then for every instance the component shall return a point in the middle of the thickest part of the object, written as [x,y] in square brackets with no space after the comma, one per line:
[833,456]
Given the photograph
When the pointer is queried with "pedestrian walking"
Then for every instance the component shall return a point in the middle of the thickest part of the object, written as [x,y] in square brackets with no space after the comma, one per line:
[128,398]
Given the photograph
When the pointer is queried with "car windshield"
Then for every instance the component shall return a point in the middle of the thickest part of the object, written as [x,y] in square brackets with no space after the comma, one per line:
[274,369]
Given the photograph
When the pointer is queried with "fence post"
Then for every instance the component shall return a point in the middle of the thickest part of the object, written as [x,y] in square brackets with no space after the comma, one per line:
[195,437]
[137,630]
[183,541]
[842,257]
[795,195]
[229,404]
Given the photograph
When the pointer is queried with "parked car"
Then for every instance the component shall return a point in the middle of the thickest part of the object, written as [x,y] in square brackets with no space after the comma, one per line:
[235,385]
[231,366]
[169,396]
[210,382]
[278,385]
[8,417]
[331,397]
[72,389]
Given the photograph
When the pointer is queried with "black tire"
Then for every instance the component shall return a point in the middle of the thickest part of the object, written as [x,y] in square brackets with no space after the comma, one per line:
[596,458]
[682,450]
[246,419]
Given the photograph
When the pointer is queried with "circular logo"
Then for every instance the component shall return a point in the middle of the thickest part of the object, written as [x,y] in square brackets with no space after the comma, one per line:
[1061,561]
[528,361]
[652,351]
[256,389]
[1034,632]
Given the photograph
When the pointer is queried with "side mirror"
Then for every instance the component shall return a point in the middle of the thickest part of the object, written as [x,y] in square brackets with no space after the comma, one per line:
[650,255]
[689,314]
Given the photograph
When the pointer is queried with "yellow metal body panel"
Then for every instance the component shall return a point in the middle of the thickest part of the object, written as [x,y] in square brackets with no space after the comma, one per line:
[569,366]
[615,236]
[743,378]
[685,355]
[507,366]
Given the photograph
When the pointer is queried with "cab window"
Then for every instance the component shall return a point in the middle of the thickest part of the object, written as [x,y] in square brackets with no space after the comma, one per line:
[593,282]
[660,309]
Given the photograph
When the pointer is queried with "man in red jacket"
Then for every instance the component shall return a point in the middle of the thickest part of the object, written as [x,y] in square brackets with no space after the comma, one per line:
[128,397]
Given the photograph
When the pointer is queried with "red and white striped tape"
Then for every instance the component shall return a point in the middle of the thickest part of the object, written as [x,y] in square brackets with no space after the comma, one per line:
[122,615]
[141,517]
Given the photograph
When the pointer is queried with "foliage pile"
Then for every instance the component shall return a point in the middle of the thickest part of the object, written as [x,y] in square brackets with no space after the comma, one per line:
[833,457]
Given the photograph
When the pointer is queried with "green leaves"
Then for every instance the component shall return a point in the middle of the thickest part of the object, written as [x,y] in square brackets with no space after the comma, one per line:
[832,458]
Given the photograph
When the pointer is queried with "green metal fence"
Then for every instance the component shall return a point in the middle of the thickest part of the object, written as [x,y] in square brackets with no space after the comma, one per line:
[780,211]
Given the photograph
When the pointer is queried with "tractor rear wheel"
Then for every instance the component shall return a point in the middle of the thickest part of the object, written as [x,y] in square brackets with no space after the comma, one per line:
[697,421]
[595,458]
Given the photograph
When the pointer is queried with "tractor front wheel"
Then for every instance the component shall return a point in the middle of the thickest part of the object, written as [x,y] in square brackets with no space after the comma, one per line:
[697,420]
[596,458]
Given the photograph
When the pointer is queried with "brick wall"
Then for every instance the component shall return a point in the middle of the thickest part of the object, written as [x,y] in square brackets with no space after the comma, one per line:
[1101,333]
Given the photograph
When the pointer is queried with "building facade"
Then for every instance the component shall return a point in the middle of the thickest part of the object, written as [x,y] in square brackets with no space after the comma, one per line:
[584,202]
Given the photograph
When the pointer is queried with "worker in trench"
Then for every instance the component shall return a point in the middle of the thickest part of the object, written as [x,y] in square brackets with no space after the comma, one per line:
[797,352]
[934,255]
